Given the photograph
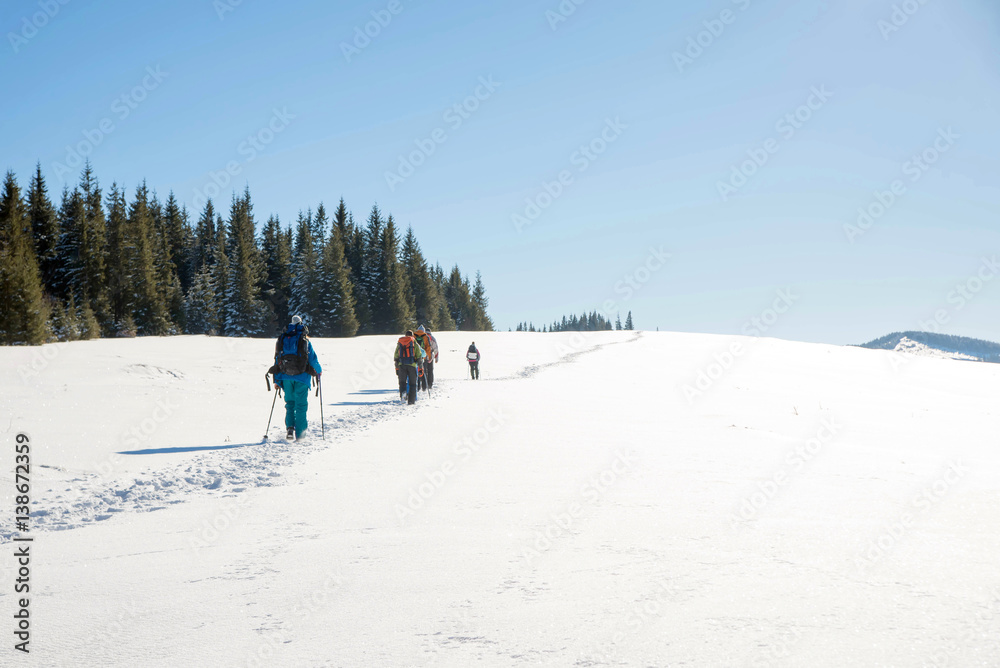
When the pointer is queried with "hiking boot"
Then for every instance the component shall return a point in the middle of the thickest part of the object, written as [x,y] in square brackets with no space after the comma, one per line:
[291,433]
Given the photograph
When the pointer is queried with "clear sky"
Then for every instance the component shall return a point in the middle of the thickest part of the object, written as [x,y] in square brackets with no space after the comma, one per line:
[171,92]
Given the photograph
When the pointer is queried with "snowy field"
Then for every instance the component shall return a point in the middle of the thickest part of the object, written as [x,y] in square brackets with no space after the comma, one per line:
[613,499]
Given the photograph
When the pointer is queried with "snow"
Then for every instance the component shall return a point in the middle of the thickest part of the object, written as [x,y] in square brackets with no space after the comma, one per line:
[911,347]
[654,499]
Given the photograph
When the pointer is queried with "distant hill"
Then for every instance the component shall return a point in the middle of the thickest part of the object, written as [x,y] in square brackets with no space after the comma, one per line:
[938,345]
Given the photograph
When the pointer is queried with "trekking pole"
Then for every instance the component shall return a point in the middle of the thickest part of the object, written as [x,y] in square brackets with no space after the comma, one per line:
[273,402]
[322,423]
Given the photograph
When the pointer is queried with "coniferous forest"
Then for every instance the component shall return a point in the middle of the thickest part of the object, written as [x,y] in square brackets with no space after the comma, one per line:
[117,263]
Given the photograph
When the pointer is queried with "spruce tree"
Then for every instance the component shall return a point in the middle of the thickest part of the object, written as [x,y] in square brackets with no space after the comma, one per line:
[44,228]
[177,229]
[335,315]
[445,321]
[68,264]
[244,310]
[373,279]
[203,248]
[355,252]
[200,308]
[119,258]
[399,315]
[424,294]
[149,309]
[480,302]
[459,301]
[94,302]
[628,322]
[219,270]
[277,252]
[23,314]
[304,299]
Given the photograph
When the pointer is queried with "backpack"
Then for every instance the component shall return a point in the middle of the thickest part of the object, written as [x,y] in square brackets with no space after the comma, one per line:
[292,353]
[406,353]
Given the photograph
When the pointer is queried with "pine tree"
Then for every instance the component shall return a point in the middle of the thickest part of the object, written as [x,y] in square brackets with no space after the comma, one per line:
[244,310]
[148,308]
[203,247]
[480,303]
[44,228]
[179,237]
[304,300]
[277,252]
[119,258]
[459,300]
[628,322]
[373,277]
[219,269]
[425,296]
[201,310]
[618,322]
[335,316]
[400,310]
[445,321]
[355,252]
[23,315]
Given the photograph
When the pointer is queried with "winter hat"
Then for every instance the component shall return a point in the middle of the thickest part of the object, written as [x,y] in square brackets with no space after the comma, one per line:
[408,332]
[421,329]
[296,320]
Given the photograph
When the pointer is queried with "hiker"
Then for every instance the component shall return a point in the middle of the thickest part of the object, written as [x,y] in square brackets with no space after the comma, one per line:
[430,346]
[407,356]
[473,357]
[296,364]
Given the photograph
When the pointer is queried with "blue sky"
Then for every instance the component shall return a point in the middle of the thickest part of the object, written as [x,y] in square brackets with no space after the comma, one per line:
[662,137]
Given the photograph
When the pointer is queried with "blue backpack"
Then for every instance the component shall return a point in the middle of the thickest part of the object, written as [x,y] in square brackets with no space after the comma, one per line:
[292,352]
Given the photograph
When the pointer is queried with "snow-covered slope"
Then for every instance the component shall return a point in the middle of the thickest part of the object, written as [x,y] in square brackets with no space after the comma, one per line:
[600,499]
[911,347]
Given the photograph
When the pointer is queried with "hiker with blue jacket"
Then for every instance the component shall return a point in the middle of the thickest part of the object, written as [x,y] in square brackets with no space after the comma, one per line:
[296,365]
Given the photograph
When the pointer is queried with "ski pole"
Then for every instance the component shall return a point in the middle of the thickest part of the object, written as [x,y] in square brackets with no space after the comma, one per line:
[271,416]
[322,423]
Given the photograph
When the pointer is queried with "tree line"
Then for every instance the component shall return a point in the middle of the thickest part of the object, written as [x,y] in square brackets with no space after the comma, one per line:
[105,264]
[592,322]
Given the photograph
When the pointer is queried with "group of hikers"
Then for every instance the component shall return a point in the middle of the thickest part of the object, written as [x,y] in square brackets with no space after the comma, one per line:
[296,368]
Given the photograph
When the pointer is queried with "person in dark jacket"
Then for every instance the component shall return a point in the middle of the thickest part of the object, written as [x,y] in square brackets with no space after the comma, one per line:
[473,357]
